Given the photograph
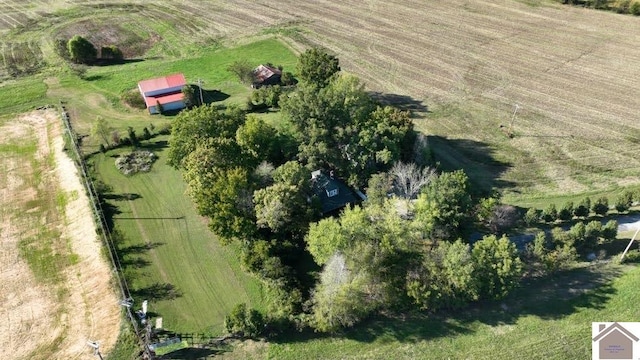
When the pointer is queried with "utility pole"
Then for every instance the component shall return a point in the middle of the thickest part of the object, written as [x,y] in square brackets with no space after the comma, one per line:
[513,119]
[200,82]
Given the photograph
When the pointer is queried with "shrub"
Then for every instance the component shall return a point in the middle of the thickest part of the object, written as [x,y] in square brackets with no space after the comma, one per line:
[601,206]
[531,217]
[583,208]
[287,79]
[115,138]
[635,8]
[566,213]
[244,321]
[132,136]
[609,230]
[111,52]
[134,99]
[61,48]
[633,256]
[550,214]
[624,202]
[137,161]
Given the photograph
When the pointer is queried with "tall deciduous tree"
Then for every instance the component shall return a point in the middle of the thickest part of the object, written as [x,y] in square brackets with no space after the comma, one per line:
[259,139]
[316,67]
[445,205]
[343,297]
[102,130]
[191,127]
[444,278]
[81,50]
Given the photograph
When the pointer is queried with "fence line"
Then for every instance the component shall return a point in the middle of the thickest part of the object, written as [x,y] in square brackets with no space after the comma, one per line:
[105,233]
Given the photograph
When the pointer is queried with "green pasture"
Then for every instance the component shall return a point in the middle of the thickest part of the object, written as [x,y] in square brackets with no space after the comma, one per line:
[169,255]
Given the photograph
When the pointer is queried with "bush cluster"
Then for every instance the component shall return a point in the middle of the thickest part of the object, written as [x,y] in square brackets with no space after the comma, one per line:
[134,162]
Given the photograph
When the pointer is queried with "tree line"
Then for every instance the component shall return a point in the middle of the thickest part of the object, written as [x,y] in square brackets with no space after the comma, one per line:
[406,247]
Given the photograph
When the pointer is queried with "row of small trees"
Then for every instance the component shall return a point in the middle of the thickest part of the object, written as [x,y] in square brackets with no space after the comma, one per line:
[581,210]
[559,249]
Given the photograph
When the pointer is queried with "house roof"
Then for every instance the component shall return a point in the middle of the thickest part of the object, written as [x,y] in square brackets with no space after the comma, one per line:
[264,72]
[322,183]
[162,83]
[163,99]
[614,326]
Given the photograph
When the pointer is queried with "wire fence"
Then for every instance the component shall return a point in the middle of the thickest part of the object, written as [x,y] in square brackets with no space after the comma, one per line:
[104,232]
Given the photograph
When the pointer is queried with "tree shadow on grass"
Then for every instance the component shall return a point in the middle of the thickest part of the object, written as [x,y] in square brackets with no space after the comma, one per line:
[192,354]
[121,197]
[474,157]
[156,292]
[402,102]
[156,146]
[134,262]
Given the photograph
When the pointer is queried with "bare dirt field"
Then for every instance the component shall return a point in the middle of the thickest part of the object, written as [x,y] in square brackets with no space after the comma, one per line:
[56,291]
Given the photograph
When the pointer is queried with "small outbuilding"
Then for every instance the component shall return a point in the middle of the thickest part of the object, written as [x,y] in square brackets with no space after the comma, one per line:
[332,192]
[265,75]
[164,93]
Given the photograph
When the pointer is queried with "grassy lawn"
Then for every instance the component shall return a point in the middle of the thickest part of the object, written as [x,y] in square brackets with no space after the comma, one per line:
[22,95]
[548,319]
[171,257]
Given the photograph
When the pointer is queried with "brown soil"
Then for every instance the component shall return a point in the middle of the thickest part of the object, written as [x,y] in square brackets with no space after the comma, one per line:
[52,321]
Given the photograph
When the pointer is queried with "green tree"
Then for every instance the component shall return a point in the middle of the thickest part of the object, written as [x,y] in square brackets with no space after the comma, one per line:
[244,321]
[193,126]
[189,96]
[444,278]
[601,206]
[531,217]
[101,130]
[610,230]
[111,52]
[550,214]
[343,297]
[133,137]
[259,139]
[243,70]
[445,205]
[497,266]
[624,202]
[221,193]
[81,50]
[316,67]
[566,212]
[276,205]
[378,189]
[583,208]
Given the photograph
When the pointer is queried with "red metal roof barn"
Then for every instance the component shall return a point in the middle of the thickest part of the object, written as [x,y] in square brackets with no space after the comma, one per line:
[166,91]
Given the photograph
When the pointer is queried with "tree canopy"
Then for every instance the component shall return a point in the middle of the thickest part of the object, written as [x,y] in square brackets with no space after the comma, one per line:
[81,50]
[316,67]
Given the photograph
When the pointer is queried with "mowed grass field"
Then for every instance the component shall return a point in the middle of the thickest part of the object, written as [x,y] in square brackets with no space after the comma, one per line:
[169,255]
